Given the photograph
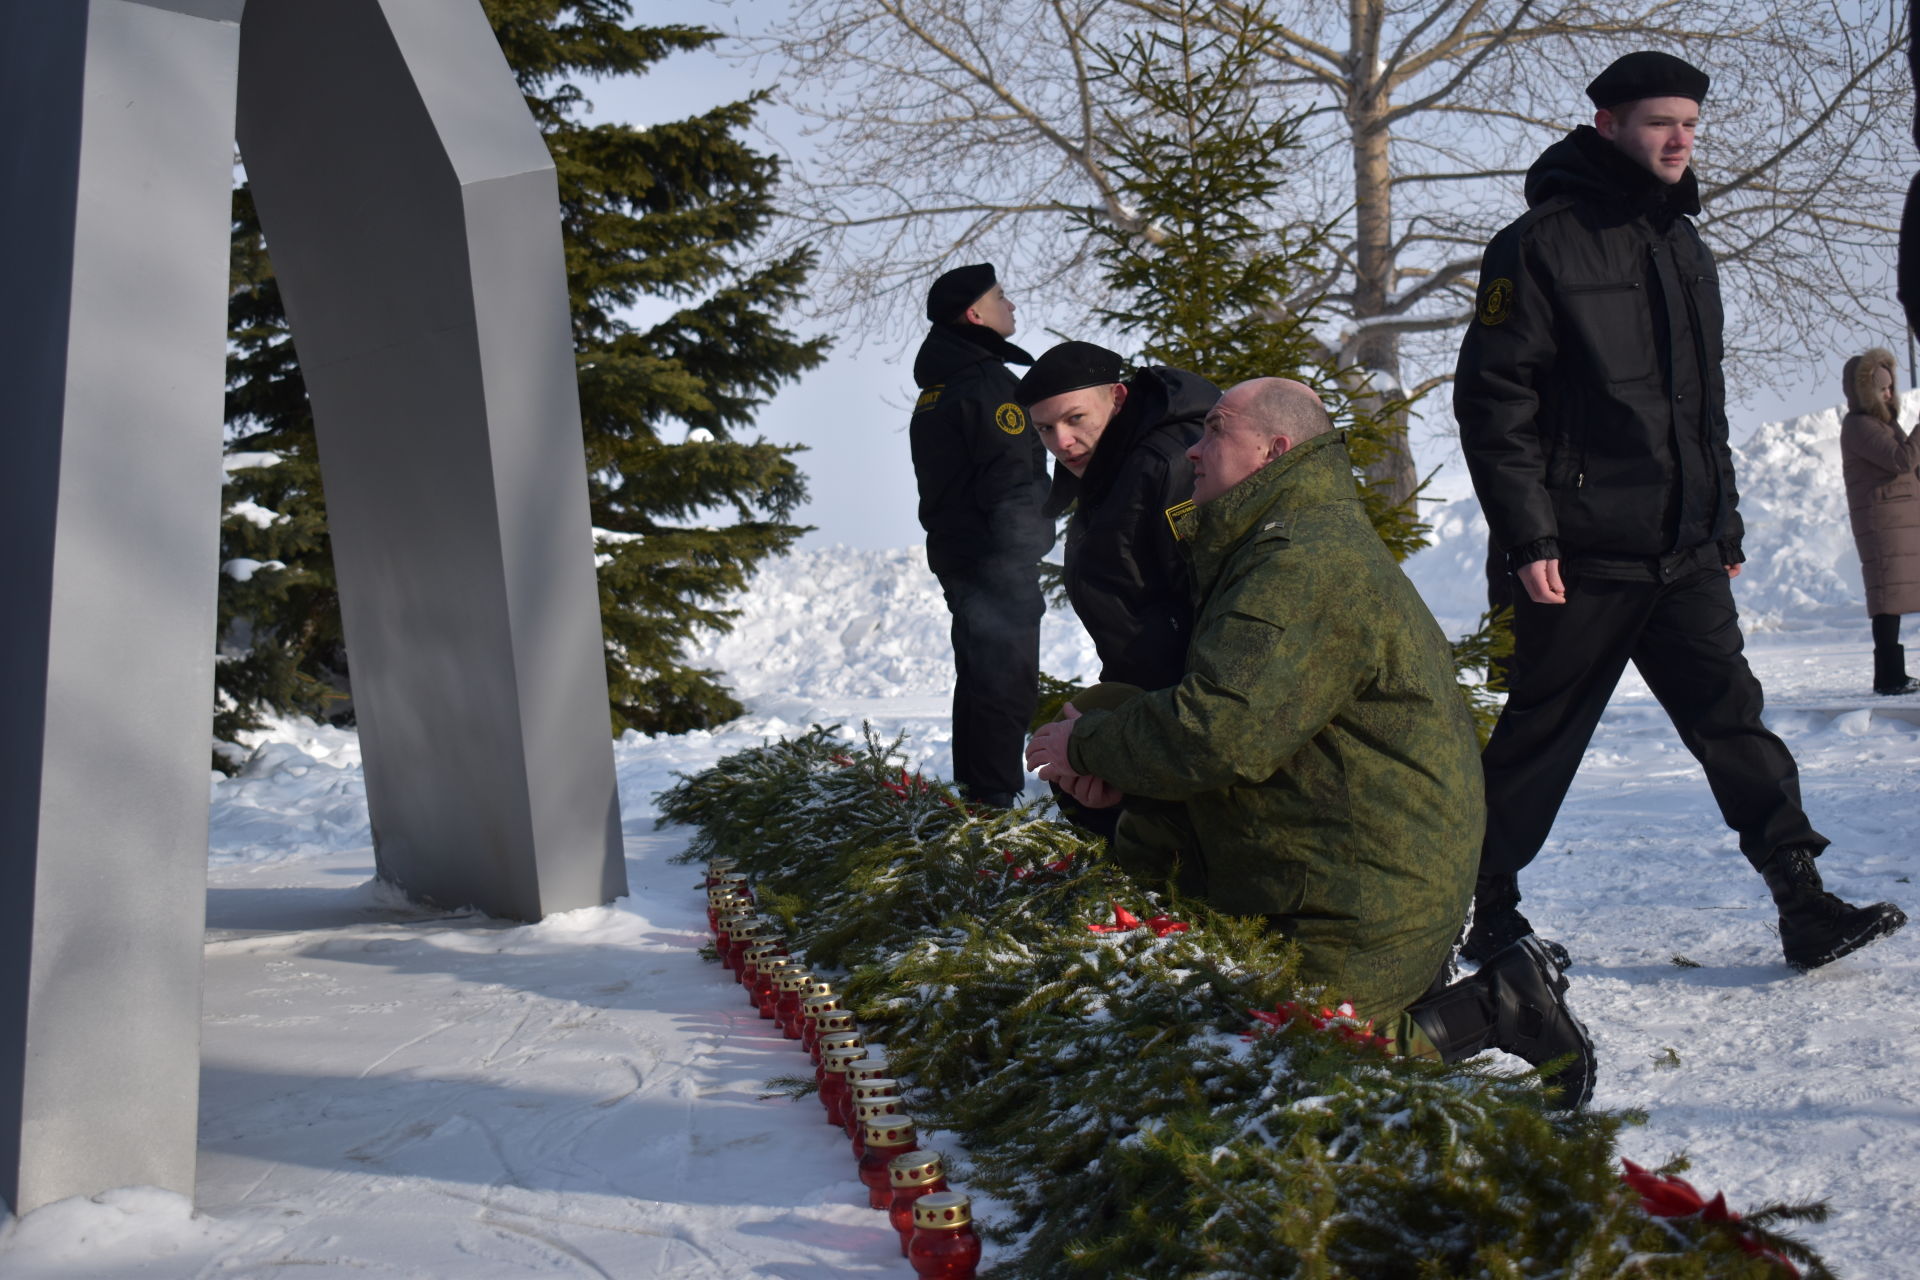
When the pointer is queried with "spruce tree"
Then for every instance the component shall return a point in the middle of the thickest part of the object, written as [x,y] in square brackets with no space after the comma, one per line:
[281,647]
[1203,280]
[683,510]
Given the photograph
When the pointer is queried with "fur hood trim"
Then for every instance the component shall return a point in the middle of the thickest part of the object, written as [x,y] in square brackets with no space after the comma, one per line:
[1857,379]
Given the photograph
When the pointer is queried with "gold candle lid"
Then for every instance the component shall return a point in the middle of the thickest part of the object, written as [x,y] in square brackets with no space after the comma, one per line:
[835,1020]
[889,1131]
[820,1006]
[792,979]
[942,1209]
[821,987]
[843,1040]
[878,1087]
[874,1067]
[915,1169]
[837,1060]
[873,1110]
[772,966]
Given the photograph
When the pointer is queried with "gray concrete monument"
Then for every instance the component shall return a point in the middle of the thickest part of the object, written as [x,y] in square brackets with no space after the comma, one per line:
[411,210]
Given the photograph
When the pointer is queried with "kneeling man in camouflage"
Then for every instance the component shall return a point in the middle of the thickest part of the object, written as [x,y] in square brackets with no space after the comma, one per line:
[1327,764]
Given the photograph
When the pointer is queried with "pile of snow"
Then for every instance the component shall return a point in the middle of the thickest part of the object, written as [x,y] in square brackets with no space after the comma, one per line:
[300,791]
[139,1229]
[840,623]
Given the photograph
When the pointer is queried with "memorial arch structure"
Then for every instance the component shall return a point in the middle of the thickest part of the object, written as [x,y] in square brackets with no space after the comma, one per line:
[412,212]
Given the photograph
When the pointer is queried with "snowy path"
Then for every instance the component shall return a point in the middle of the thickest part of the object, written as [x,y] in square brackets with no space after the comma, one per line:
[475,1099]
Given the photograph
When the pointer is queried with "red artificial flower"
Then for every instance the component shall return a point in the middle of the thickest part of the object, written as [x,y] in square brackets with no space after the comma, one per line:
[1342,1020]
[845,762]
[1663,1196]
[1123,920]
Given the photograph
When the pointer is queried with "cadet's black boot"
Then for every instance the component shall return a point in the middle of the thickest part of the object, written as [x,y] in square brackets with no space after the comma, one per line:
[1815,926]
[1890,670]
[1516,1003]
[1497,923]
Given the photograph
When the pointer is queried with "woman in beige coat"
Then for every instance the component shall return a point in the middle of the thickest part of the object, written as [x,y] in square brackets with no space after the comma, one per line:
[1881,463]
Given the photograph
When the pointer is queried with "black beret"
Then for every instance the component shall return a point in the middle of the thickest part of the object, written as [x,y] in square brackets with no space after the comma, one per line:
[957,290]
[1068,367]
[1648,74]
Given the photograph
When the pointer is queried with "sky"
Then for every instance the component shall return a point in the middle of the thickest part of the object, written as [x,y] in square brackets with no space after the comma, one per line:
[851,413]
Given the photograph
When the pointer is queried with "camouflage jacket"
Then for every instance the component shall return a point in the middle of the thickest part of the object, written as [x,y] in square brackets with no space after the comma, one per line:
[1328,761]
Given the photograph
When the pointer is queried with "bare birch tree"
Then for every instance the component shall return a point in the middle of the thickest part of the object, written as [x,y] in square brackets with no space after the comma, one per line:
[954,128]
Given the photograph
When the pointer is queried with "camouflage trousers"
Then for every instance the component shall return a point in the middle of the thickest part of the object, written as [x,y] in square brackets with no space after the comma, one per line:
[1154,843]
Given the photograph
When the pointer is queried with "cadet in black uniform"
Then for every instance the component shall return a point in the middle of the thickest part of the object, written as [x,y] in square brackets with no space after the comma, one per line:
[1126,442]
[1124,446]
[1592,415]
[983,485]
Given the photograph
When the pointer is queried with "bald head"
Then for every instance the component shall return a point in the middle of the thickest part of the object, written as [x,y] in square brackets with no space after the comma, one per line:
[1253,423]
[1281,407]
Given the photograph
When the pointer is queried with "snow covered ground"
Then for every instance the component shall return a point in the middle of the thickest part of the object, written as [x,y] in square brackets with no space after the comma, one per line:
[395,1093]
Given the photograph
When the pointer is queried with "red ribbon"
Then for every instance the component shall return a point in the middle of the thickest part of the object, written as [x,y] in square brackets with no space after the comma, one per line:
[1668,1197]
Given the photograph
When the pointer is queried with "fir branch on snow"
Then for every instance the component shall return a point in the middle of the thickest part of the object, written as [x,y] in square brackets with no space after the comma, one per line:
[1103,1082]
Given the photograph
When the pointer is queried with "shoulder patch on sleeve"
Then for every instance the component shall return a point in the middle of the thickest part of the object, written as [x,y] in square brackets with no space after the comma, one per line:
[1174,513]
[928,398]
[1010,418]
[1496,301]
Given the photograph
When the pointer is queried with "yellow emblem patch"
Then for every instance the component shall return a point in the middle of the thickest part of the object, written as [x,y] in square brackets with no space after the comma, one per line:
[1173,516]
[928,398]
[1010,418]
[1496,301]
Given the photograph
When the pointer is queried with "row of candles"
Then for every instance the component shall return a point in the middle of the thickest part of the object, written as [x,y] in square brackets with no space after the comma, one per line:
[861,1098]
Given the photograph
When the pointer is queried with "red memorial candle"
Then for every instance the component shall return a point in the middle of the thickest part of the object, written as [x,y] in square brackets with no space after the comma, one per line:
[943,1246]
[862,1114]
[915,1174]
[833,1082]
[771,968]
[836,1023]
[786,1002]
[886,1139]
[812,1009]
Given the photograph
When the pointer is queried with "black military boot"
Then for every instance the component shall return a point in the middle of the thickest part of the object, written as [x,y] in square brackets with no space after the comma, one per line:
[1516,1002]
[1816,927]
[1497,924]
[1890,671]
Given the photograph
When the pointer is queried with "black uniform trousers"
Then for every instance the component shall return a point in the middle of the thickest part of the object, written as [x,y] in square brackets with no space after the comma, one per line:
[996,611]
[1683,635]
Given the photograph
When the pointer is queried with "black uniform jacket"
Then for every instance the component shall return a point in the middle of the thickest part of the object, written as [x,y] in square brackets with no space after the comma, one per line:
[981,468]
[1588,392]
[1125,574]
